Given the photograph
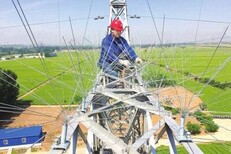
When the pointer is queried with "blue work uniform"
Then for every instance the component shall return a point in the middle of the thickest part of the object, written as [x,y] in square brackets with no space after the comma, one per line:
[111,49]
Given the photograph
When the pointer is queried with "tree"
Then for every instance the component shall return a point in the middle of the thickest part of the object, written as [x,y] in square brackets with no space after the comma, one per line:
[9,88]
[211,127]
[193,128]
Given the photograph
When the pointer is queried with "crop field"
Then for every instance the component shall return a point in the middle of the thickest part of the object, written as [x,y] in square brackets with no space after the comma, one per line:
[55,80]
[69,76]
[183,64]
[211,148]
[203,61]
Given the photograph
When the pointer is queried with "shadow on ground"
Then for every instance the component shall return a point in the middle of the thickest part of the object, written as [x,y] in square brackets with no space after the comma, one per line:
[8,113]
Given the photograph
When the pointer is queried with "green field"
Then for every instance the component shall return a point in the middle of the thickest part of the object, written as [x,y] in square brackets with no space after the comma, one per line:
[65,77]
[210,148]
[200,61]
[203,62]
[70,75]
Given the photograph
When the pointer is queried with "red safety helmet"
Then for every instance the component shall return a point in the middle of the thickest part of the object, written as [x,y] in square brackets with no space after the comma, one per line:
[117,25]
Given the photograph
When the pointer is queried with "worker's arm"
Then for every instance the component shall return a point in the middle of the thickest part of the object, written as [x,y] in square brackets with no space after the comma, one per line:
[130,53]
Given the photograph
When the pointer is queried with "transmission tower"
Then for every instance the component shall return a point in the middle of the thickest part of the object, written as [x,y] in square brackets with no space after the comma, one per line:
[118,10]
[119,119]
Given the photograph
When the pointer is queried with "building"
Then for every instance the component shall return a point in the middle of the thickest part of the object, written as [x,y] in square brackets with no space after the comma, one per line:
[20,137]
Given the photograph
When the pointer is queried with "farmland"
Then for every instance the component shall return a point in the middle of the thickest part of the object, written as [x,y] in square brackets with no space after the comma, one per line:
[56,79]
[211,148]
[182,65]
[69,76]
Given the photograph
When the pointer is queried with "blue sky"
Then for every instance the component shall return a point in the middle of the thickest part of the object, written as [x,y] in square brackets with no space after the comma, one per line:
[44,14]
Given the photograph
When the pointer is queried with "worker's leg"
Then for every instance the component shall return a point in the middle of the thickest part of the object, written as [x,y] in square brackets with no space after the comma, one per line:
[114,70]
[110,69]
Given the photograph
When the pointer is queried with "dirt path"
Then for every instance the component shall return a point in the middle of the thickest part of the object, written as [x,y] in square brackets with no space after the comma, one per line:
[178,97]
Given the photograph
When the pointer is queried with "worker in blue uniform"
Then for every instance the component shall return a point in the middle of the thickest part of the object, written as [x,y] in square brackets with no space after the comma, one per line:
[115,51]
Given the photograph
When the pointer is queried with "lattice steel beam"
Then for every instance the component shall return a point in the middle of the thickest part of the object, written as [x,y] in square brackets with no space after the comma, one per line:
[118,10]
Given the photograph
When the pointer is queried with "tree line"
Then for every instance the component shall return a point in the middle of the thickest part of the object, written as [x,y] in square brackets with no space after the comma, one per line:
[8,50]
[24,50]
[9,88]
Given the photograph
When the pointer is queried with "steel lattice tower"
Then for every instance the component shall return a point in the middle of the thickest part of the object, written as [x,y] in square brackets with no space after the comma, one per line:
[118,10]
[119,120]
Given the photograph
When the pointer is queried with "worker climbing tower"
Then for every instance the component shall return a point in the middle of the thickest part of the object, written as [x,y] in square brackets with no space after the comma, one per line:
[119,115]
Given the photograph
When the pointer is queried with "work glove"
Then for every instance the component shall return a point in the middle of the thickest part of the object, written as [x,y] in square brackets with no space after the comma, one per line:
[138,60]
[126,63]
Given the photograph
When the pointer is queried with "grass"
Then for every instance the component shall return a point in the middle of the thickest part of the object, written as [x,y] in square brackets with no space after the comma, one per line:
[175,63]
[70,75]
[199,61]
[65,76]
[211,148]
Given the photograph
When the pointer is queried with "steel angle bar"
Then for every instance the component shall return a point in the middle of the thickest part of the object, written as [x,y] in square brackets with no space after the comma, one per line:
[172,145]
[150,97]
[124,90]
[192,148]
[118,9]
[72,125]
[147,135]
[107,107]
[131,123]
[172,125]
[179,132]
[86,102]
[151,139]
[175,128]
[74,140]
[162,131]
[110,140]
[102,109]
[107,122]
[85,140]
[120,79]
[91,140]
[140,105]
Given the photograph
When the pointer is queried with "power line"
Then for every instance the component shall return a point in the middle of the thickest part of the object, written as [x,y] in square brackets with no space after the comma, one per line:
[48,22]
[140,17]
[190,19]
